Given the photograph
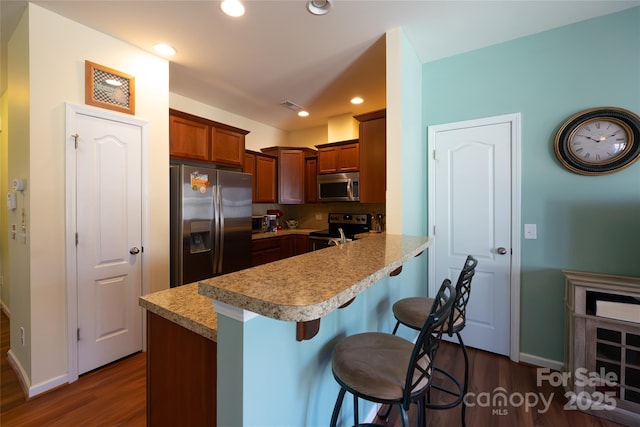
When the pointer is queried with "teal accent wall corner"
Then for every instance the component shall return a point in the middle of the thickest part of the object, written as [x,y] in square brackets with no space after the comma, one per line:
[586,223]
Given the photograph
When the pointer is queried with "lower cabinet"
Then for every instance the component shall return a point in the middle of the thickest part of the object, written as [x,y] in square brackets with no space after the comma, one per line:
[265,250]
[278,247]
[181,375]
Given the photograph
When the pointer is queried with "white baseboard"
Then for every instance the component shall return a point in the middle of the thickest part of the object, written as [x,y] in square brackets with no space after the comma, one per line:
[4,308]
[541,361]
[25,383]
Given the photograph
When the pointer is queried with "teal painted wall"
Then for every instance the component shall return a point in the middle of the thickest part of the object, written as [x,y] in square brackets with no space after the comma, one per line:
[584,223]
[285,383]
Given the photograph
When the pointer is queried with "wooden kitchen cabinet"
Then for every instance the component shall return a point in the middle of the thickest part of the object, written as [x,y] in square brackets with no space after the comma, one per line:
[373,156]
[339,157]
[311,180]
[181,375]
[265,250]
[196,138]
[291,172]
[263,168]
[188,139]
[293,244]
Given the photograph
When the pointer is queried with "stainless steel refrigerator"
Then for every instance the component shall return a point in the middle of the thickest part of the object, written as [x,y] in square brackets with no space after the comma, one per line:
[210,222]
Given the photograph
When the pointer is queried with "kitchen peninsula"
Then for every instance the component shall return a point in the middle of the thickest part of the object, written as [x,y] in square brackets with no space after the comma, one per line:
[258,315]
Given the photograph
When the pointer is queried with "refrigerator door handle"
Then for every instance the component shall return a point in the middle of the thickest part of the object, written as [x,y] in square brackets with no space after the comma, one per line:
[216,231]
[220,230]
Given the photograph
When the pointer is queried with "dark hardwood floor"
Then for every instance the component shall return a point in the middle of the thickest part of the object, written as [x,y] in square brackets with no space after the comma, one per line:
[115,395]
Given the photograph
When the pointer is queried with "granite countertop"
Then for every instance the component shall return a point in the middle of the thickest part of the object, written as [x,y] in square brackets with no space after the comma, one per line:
[309,286]
[283,232]
[184,306]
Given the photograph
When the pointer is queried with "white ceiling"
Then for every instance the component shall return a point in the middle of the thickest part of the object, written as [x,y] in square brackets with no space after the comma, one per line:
[279,51]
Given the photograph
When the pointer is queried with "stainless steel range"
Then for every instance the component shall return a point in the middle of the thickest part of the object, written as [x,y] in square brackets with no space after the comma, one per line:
[350,223]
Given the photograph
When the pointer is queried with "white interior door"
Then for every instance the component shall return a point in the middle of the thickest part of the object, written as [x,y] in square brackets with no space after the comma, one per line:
[109,240]
[470,212]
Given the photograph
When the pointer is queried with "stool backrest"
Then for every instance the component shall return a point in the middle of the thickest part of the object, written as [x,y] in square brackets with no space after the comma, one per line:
[463,291]
[419,374]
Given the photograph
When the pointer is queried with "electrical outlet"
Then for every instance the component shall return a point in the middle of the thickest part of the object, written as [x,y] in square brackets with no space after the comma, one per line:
[22,335]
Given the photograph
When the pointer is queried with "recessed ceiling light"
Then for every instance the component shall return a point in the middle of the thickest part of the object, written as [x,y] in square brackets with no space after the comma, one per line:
[232,8]
[164,49]
[357,100]
[319,7]
[303,113]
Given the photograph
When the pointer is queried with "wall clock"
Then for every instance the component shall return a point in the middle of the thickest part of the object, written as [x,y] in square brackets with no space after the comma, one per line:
[599,141]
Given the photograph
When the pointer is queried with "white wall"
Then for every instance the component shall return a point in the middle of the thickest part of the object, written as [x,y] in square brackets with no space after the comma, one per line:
[57,50]
[406,208]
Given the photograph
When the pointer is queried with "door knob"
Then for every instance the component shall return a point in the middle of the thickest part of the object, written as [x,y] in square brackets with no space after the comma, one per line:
[502,250]
[134,251]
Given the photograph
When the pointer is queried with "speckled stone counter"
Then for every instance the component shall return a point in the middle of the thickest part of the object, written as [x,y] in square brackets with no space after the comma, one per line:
[186,307]
[309,286]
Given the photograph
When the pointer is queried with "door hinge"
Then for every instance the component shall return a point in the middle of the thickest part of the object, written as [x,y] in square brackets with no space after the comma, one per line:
[78,334]
[434,155]
[76,238]
[75,140]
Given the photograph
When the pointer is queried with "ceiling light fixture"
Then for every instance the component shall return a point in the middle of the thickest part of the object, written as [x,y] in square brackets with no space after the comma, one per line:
[232,8]
[357,100]
[164,49]
[319,7]
[303,113]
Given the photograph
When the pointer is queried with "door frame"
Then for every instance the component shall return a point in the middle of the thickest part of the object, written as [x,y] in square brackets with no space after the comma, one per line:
[71,112]
[514,120]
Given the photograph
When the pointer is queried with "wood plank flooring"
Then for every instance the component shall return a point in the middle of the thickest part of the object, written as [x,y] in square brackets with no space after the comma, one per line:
[116,396]
[488,372]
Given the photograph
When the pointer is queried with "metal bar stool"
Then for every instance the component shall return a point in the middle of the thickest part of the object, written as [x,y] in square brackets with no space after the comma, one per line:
[384,368]
[412,312]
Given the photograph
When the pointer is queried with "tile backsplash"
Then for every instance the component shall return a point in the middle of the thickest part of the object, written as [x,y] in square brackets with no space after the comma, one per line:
[308,214]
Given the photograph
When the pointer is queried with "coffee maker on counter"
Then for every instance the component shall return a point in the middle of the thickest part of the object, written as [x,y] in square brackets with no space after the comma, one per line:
[278,214]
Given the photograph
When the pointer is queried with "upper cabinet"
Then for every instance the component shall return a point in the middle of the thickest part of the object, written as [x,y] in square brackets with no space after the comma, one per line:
[291,172]
[263,169]
[373,156]
[339,157]
[311,180]
[196,138]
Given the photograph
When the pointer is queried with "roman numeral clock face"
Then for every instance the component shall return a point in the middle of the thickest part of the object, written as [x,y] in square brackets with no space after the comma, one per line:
[599,141]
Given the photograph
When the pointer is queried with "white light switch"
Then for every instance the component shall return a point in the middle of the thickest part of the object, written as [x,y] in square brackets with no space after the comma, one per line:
[530,231]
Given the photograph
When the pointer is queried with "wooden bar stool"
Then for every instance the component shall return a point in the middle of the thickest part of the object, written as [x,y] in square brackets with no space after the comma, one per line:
[384,368]
[412,313]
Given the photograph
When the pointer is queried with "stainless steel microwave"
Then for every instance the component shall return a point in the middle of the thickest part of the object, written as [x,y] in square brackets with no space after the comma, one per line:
[339,187]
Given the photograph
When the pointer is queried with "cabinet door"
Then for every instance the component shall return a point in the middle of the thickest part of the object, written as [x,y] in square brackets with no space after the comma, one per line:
[291,167]
[249,166]
[227,147]
[373,177]
[311,180]
[327,160]
[265,250]
[188,139]
[348,158]
[300,244]
[265,179]
[287,246]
